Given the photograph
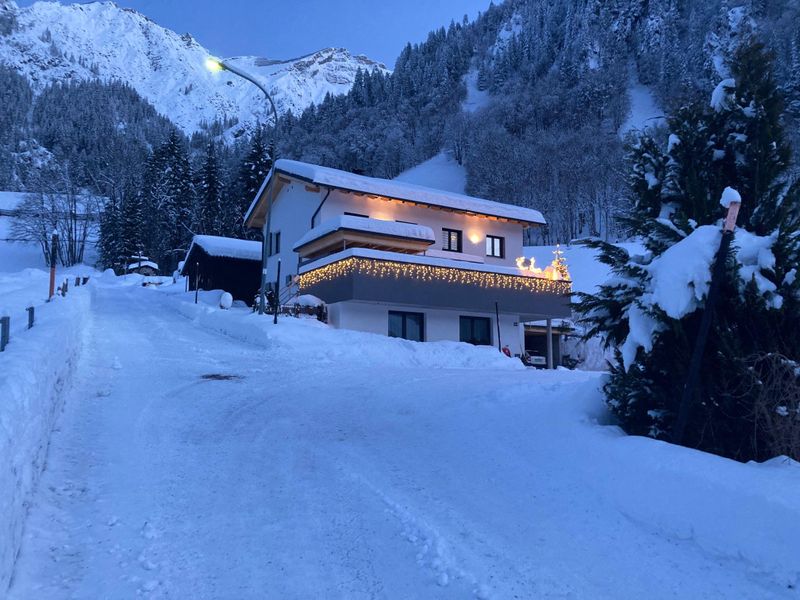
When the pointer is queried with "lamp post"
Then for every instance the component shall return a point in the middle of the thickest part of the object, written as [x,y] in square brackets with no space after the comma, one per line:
[214,64]
[732,201]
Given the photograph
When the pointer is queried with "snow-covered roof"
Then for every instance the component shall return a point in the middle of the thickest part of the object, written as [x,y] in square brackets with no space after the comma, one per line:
[367,225]
[398,190]
[142,263]
[227,247]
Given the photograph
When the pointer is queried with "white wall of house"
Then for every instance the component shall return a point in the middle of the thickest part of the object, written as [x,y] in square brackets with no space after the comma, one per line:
[291,216]
[475,229]
[439,324]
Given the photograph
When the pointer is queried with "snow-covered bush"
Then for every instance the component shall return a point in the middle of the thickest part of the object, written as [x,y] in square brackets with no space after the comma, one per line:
[651,308]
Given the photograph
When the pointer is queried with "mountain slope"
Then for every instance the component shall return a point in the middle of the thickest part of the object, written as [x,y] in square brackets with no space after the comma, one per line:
[49,42]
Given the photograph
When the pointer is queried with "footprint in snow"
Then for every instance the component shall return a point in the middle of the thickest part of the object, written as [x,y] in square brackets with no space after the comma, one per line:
[149,532]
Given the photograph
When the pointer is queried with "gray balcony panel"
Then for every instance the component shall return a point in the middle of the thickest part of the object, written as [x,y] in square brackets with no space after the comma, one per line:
[438,293]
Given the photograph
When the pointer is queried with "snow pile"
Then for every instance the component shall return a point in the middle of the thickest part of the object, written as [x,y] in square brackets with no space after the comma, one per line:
[309,340]
[729,195]
[34,371]
[400,190]
[215,245]
[367,225]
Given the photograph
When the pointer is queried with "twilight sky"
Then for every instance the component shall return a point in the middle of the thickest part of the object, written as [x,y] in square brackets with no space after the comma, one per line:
[291,28]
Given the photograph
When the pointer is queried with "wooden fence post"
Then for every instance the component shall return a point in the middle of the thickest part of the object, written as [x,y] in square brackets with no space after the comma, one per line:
[30,310]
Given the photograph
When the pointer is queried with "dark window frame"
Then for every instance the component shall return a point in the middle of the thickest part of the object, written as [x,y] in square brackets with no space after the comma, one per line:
[274,246]
[473,339]
[490,246]
[448,239]
[404,324]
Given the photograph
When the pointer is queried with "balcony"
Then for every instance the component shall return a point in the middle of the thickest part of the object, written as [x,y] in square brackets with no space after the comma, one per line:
[351,231]
[371,275]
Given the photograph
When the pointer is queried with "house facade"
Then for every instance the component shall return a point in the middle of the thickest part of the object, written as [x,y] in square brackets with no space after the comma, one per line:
[404,260]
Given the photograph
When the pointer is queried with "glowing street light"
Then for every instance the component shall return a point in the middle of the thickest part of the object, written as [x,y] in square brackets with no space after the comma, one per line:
[216,65]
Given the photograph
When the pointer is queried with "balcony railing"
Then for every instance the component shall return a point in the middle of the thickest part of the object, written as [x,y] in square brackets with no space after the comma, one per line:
[389,277]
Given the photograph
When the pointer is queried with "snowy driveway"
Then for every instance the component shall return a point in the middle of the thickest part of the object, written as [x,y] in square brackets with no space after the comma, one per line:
[298,479]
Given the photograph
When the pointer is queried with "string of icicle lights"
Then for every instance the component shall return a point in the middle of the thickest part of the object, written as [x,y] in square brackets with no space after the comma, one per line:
[398,270]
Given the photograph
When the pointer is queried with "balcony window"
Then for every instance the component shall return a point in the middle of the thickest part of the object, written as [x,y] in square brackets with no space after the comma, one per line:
[451,240]
[495,246]
[407,325]
[475,330]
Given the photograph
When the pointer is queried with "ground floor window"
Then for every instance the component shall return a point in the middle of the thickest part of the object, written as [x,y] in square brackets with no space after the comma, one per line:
[476,330]
[407,325]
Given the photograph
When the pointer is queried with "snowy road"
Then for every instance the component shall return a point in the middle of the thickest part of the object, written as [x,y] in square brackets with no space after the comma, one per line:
[298,479]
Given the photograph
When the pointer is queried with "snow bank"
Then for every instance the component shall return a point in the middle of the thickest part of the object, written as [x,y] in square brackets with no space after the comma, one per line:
[740,512]
[309,341]
[34,370]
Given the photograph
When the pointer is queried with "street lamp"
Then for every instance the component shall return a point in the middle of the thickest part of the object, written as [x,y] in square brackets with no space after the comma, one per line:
[215,65]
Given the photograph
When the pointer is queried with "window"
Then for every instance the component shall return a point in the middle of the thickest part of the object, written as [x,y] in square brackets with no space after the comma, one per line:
[451,240]
[274,243]
[495,246]
[407,325]
[475,330]
[349,214]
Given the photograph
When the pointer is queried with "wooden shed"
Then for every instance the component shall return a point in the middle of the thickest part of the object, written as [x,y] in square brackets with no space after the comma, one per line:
[219,263]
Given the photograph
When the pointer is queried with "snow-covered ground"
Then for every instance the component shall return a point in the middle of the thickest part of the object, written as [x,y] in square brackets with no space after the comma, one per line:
[209,454]
[645,111]
[441,172]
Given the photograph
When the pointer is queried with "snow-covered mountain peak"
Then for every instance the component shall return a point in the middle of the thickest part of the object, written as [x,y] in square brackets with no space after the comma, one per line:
[50,42]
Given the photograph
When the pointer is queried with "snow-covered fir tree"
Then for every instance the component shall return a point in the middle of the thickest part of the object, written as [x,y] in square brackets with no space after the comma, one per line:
[650,309]
[168,203]
[211,219]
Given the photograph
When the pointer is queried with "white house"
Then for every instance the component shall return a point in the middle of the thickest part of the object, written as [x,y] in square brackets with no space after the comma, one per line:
[404,260]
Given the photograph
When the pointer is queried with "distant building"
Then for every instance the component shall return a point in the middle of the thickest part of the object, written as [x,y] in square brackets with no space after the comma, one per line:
[219,263]
[404,260]
[142,265]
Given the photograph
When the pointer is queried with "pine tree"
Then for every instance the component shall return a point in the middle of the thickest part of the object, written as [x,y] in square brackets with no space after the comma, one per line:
[677,192]
[110,244]
[254,170]
[209,189]
[168,203]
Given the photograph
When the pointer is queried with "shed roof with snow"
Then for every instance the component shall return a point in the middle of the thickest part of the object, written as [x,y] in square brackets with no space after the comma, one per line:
[227,247]
[385,188]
